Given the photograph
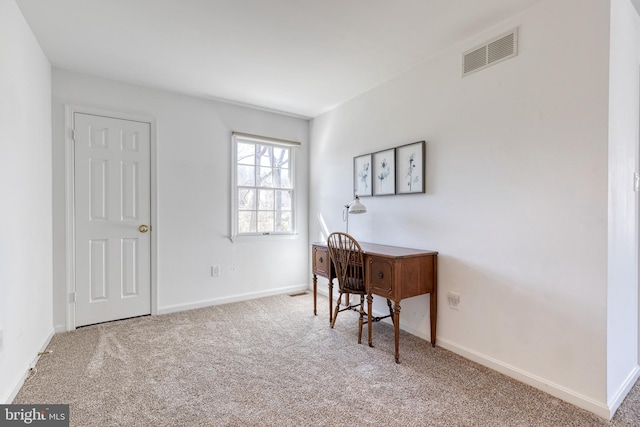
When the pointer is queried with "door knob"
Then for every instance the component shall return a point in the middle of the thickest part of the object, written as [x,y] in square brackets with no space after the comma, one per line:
[143,228]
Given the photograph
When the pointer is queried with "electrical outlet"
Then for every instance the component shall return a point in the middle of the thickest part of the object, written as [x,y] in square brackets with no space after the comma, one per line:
[215,271]
[454,300]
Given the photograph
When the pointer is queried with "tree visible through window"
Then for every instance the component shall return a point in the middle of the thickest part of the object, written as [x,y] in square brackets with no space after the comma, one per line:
[263,187]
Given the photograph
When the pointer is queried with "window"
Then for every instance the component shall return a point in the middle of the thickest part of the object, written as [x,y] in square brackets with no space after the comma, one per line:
[263,186]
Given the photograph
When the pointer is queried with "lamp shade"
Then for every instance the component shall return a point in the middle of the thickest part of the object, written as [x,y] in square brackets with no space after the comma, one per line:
[356,207]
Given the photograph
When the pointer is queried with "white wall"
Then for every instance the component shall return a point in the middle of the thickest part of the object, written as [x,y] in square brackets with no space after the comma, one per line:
[25,195]
[193,149]
[624,138]
[516,199]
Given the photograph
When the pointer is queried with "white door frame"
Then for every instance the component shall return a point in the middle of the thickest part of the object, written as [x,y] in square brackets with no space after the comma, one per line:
[70,249]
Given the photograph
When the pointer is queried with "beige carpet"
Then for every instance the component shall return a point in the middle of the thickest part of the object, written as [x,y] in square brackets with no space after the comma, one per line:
[270,362]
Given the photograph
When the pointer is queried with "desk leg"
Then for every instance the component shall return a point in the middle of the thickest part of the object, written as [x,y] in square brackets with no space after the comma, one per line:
[433,314]
[433,303]
[330,301]
[396,328]
[370,318]
[315,295]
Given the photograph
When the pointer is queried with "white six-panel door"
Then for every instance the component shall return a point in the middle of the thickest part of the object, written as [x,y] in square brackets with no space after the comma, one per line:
[112,209]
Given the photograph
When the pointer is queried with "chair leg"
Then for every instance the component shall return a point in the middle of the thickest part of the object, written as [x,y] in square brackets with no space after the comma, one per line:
[360,320]
[337,310]
[390,310]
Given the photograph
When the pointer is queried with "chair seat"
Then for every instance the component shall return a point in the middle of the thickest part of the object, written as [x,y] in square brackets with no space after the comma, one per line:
[355,285]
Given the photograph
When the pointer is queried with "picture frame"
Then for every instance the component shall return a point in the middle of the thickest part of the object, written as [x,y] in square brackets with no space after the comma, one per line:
[362,173]
[384,174]
[410,168]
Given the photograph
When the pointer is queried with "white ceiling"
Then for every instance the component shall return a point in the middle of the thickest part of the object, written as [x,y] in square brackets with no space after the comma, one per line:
[302,57]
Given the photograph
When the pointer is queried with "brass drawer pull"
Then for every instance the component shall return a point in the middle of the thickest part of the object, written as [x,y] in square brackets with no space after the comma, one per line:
[380,275]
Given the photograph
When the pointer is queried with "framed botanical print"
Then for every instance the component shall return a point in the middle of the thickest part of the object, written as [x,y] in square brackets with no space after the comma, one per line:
[384,175]
[362,175]
[410,168]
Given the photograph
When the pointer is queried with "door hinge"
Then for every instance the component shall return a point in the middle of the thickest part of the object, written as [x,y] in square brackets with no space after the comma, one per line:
[72,297]
[73,135]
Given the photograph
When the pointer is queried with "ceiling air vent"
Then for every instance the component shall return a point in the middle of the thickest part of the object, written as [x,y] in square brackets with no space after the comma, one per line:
[498,49]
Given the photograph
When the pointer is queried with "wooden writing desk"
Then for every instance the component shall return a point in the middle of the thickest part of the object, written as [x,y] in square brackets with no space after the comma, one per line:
[392,272]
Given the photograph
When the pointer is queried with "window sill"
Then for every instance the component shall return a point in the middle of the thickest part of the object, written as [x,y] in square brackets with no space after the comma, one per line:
[262,237]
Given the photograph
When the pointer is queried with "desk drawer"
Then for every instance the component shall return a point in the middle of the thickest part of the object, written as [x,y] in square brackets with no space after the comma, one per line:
[380,276]
[321,261]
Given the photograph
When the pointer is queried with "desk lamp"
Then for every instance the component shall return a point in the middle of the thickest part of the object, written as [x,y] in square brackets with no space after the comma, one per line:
[354,207]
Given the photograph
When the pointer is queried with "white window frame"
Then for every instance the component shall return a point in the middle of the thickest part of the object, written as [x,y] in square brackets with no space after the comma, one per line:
[244,137]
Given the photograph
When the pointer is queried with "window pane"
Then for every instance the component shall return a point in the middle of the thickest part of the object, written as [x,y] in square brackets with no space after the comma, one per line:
[265,178]
[282,178]
[247,222]
[246,154]
[265,222]
[266,200]
[246,176]
[277,157]
[283,200]
[283,221]
[265,155]
[246,198]
[281,157]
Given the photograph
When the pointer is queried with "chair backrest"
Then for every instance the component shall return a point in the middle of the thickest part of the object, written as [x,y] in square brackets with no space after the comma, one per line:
[346,255]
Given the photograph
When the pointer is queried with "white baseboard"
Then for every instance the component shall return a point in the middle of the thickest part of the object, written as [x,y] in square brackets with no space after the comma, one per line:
[226,300]
[601,409]
[616,401]
[27,367]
